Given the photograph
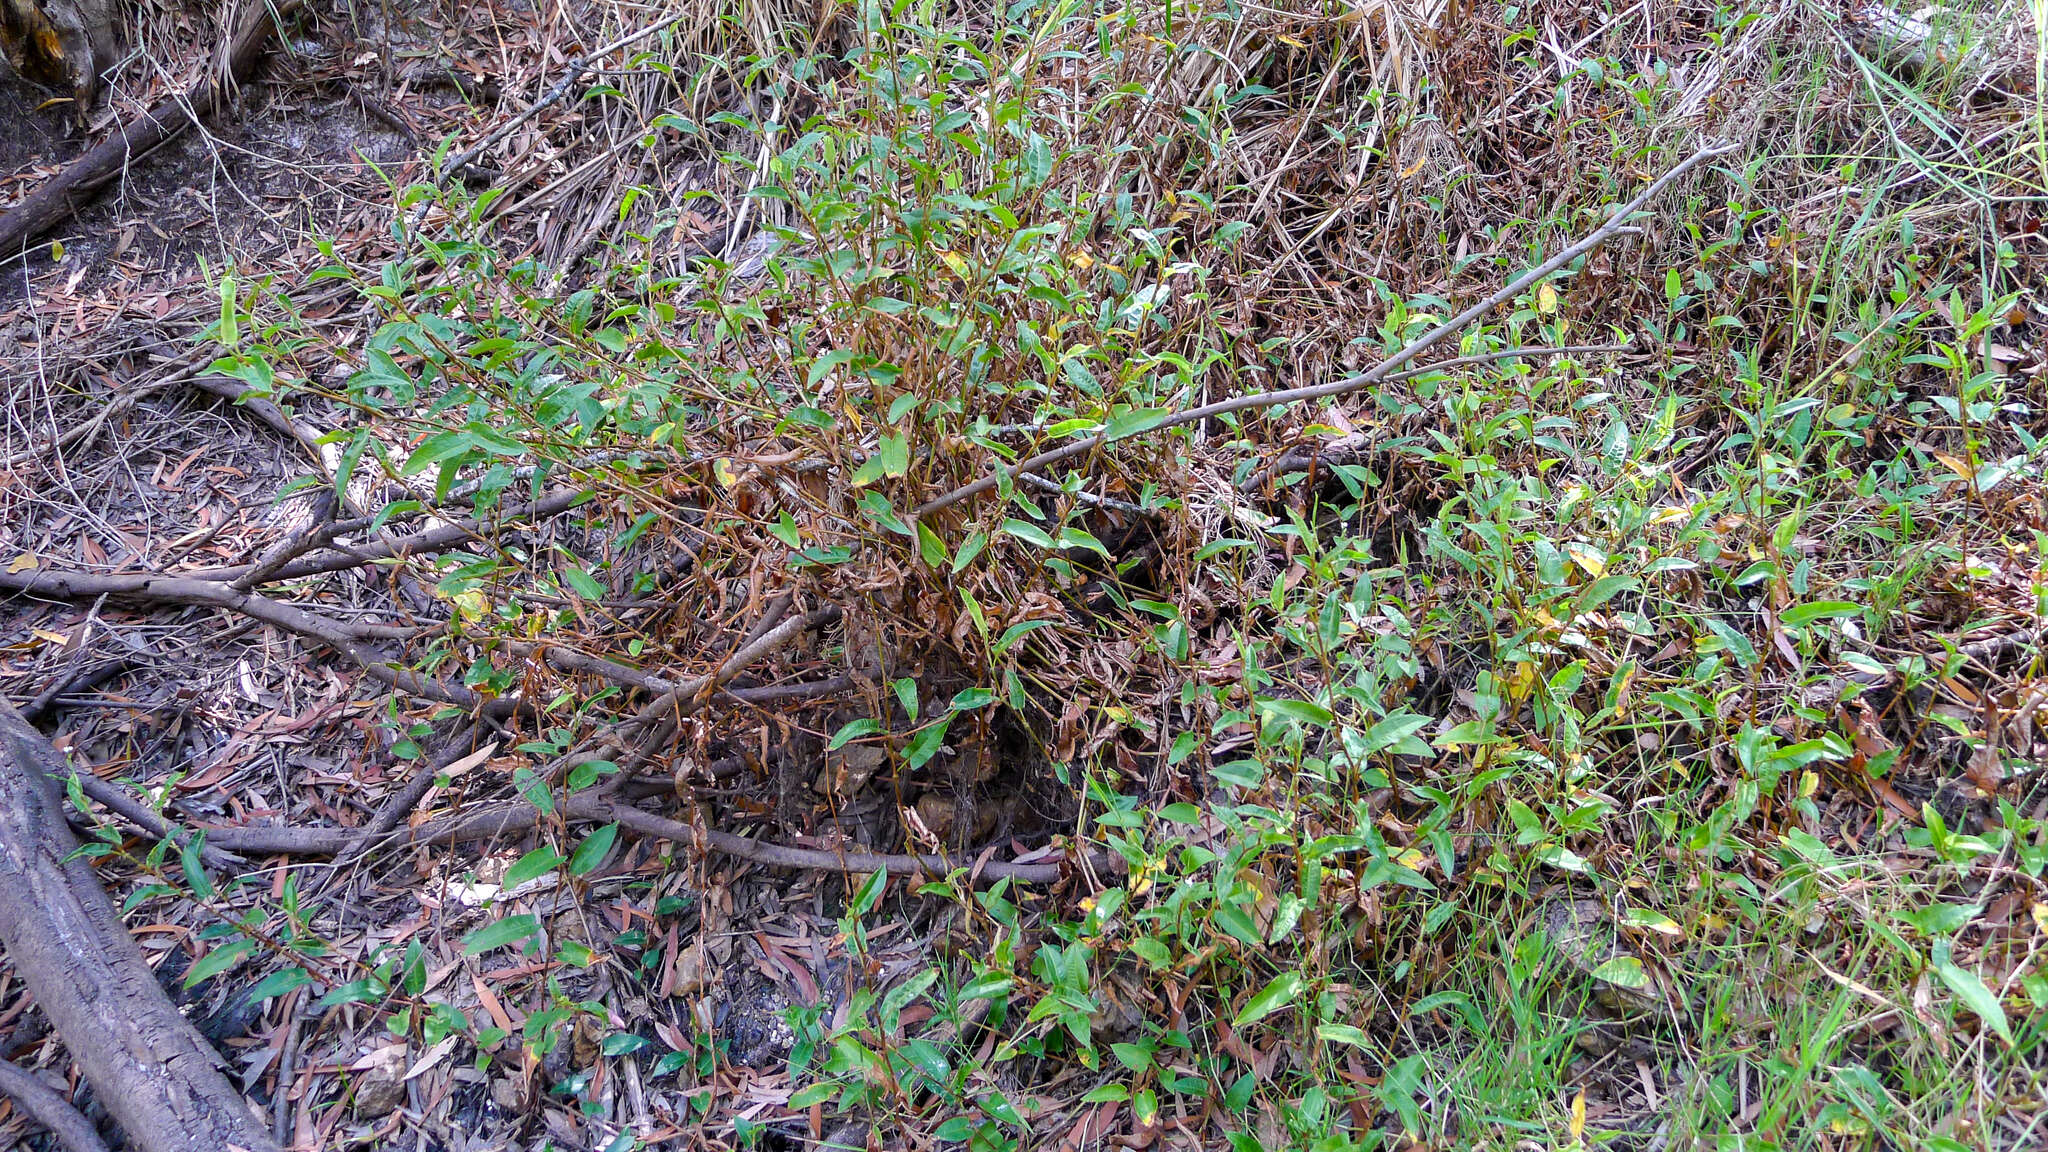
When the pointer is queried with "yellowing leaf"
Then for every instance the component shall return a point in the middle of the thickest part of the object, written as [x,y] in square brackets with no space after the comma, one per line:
[956,262]
[1521,681]
[56,251]
[1587,557]
[22,563]
[1546,299]
[722,468]
[1081,260]
[57,638]
[1413,859]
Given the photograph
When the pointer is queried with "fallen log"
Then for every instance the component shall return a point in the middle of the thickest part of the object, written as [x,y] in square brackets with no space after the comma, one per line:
[147,1065]
[56,199]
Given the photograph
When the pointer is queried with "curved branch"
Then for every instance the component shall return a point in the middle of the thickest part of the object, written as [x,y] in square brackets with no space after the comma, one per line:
[48,1108]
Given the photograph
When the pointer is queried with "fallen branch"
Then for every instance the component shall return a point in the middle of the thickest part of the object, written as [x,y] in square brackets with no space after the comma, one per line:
[56,199]
[148,1066]
[49,1109]
[1379,372]
[518,816]
[63,585]
[344,557]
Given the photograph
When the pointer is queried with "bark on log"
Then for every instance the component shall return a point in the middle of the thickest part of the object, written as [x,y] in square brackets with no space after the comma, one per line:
[61,43]
[57,198]
[148,1066]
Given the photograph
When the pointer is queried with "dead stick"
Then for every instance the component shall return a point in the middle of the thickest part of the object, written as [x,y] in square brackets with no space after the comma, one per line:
[145,1061]
[49,1109]
[1377,373]
[430,540]
[56,199]
[64,585]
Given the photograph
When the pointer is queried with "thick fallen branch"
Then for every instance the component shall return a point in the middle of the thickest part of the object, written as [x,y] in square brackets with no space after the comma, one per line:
[148,1066]
[56,199]
[512,816]
[1379,372]
[342,638]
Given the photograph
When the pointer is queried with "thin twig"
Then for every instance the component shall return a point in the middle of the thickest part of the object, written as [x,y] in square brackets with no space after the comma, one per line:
[1376,374]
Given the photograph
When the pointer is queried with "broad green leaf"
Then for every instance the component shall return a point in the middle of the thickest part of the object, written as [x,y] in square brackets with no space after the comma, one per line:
[218,961]
[894,453]
[498,933]
[1278,993]
[1604,589]
[1131,423]
[1800,615]
[1971,990]
[853,730]
[1030,533]
[584,584]
[278,983]
[534,864]
[620,1043]
[1296,711]
[589,855]
[930,547]
[870,892]
[926,743]
[1622,972]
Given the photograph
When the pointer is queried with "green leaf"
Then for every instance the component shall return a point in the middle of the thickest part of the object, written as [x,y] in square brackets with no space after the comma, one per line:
[870,892]
[1971,990]
[929,546]
[218,961]
[1031,534]
[1295,711]
[1528,828]
[1131,1056]
[1604,589]
[583,583]
[1343,1034]
[894,453]
[1016,632]
[620,1043]
[853,730]
[510,930]
[1470,732]
[278,983]
[968,699]
[986,986]
[926,743]
[1393,732]
[823,365]
[1281,991]
[590,854]
[1559,856]
[195,871]
[536,863]
[1622,972]
[1131,423]
[1800,615]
